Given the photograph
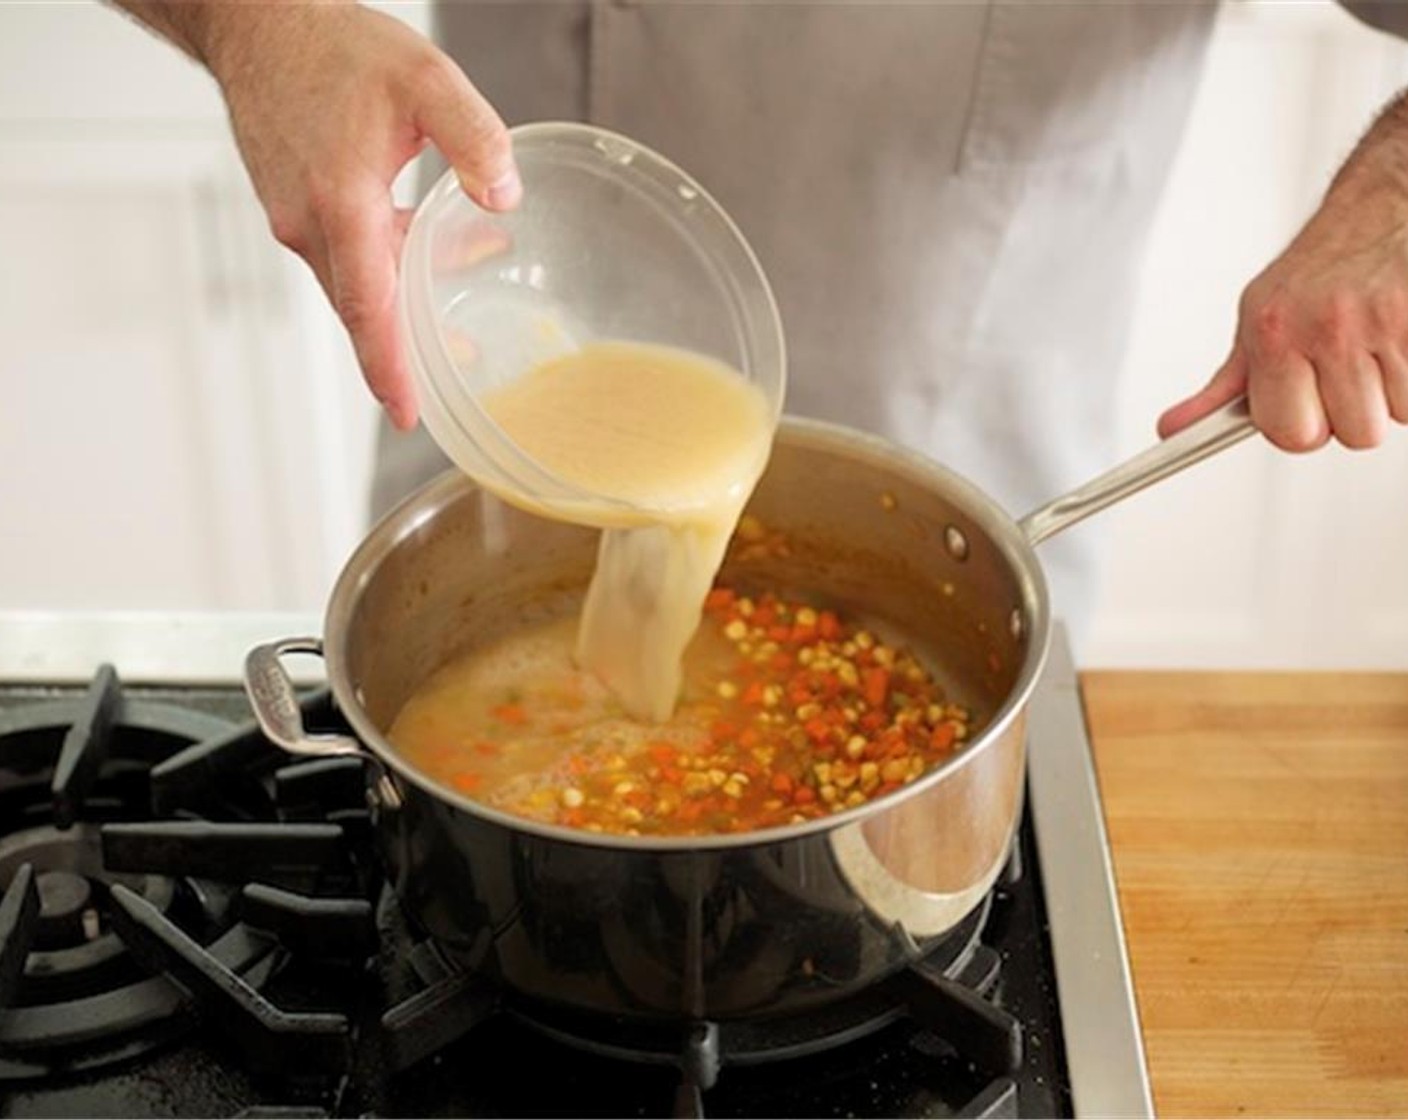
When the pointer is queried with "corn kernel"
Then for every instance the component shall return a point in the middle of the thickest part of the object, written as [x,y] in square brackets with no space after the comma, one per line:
[864,639]
[884,655]
[732,789]
[573,798]
[806,616]
[808,711]
[848,649]
[727,689]
[623,788]
[848,674]
[739,777]
[855,746]
[805,656]
[894,770]
[736,630]
[744,607]
[828,794]
[822,770]
[631,815]
[772,695]
[717,777]
[869,776]
[854,798]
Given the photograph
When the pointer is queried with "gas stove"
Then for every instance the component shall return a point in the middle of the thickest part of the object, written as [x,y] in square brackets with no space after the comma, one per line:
[195,924]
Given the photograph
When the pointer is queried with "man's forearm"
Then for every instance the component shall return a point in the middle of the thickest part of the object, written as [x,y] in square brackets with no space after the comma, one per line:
[1379,161]
[219,34]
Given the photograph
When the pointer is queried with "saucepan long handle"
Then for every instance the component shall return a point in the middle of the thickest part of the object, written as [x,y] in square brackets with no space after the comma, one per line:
[275,703]
[1215,432]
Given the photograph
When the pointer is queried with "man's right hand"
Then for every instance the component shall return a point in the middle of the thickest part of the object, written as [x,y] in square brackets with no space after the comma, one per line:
[329,102]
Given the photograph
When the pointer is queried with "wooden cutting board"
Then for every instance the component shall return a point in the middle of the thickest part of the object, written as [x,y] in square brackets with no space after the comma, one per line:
[1259,824]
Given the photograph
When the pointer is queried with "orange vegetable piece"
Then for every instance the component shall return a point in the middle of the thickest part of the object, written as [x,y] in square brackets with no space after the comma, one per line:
[942,737]
[782,783]
[488,750]
[510,713]
[719,599]
[828,625]
[876,685]
[467,781]
[803,795]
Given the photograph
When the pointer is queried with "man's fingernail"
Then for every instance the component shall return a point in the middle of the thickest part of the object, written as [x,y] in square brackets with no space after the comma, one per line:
[505,191]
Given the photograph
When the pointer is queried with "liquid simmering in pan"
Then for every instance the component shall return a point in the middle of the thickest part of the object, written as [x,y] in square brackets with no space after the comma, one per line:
[787,713]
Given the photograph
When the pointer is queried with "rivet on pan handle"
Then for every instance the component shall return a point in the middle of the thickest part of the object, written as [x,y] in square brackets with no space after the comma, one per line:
[275,703]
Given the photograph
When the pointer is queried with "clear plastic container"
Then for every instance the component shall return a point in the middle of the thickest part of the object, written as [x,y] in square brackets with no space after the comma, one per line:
[611,241]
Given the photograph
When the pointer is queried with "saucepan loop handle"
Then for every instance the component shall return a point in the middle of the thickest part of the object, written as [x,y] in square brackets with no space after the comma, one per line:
[275,703]
[1215,432]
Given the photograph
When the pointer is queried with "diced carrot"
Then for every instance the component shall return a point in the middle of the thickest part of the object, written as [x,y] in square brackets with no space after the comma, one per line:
[876,684]
[803,795]
[817,729]
[777,633]
[942,737]
[828,625]
[802,635]
[748,738]
[722,731]
[782,782]
[663,754]
[753,694]
[467,781]
[573,818]
[764,615]
[719,599]
[510,713]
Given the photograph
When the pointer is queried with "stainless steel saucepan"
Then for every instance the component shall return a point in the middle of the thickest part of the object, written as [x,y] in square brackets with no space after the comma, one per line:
[720,927]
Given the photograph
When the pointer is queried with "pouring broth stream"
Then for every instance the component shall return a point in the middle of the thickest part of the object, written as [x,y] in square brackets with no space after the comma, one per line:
[665,446]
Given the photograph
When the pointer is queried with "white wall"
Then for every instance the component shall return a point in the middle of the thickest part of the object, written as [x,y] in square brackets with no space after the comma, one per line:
[182,426]
[1256,558]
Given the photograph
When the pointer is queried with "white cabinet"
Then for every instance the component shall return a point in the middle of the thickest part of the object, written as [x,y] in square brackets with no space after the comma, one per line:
[1256,558]
[182,424]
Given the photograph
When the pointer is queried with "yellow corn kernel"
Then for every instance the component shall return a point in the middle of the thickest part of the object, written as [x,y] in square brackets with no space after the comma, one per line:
[884,655]
[854,798]
[732,789]
[808,711]
[750,528]
[806,616]
[727,690]
[869,776]
[848,674]
[744,607]
[717,777]
[894,770]
[623,788]
[772,696]
[805,656]
[822,770]
[736,630]
[739,777]
[631,815]
[864,639]
[848,649]
[573,798]
[827,794]
[855,746]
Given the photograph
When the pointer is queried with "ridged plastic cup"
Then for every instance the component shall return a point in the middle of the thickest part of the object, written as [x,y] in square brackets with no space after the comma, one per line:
[611,241]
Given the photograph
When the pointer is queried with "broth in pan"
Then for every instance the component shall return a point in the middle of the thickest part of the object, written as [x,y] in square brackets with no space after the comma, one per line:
[786,713]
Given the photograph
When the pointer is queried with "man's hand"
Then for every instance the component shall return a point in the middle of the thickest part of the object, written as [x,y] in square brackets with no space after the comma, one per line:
[1321,347]
[329,101]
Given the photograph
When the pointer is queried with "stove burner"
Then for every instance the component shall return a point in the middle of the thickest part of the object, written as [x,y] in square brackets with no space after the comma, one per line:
[74,997]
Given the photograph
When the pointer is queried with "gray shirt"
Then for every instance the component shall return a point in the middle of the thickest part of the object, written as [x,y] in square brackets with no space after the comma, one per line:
[950,199]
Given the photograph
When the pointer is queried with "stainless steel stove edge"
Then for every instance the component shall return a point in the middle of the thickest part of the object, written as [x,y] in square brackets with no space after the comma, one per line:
[1099,1016]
